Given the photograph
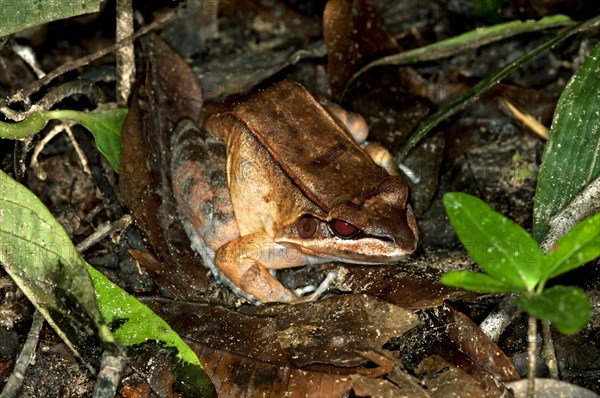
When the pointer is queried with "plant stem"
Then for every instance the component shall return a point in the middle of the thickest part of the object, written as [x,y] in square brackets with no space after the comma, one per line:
[532,340]
[549,353]
[499,319]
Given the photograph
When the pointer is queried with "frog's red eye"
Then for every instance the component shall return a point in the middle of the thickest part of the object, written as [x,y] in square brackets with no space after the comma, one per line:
[343,229]
[306,226]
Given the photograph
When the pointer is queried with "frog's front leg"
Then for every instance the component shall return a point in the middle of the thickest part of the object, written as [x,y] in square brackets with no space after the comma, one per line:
[246,261]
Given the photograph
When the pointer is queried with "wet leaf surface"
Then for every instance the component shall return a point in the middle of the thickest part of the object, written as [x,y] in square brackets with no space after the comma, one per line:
[395,286]
[570,157]
[266,346]
[443,379]
[32,14]
[470,340]
[39,255]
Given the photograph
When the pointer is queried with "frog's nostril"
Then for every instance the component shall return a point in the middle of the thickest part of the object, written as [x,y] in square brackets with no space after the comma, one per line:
[411,221]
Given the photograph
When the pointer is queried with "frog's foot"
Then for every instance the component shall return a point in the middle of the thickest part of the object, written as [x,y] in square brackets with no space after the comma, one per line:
[382,157]
[316,293]
[354,123]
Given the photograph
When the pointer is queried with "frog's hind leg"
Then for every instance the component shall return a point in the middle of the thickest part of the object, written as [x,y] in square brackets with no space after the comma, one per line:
[382,157]
[357,126]
[354,123]
[198,177]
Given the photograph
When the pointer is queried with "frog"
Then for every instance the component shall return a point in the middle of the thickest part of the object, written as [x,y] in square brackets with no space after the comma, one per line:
[277,181]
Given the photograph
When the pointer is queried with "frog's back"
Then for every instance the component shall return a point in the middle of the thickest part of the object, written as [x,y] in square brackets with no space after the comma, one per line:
[316,153]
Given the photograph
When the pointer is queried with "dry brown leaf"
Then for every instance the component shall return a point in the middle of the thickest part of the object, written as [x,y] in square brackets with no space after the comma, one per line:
[471,340]
[399,288]
[246,353]
[445,380]
[354,36]
[144,183]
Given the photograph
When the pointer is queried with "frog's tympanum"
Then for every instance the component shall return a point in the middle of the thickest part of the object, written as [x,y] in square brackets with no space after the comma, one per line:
[278,182]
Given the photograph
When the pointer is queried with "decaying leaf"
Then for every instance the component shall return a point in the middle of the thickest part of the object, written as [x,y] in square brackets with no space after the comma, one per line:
[445,380]
[399,288]
[313,346]
[354,35]
[334,330]
[145,180]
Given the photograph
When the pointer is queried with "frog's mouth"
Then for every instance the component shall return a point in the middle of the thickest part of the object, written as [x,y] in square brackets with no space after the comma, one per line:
[361,246]
[365,250]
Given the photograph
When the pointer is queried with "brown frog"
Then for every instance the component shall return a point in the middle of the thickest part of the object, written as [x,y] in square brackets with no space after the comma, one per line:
[278,182]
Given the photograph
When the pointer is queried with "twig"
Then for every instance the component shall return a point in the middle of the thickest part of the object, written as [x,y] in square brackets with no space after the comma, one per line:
[586,203]
[549,353]
[111,367]
[529,121]
[532,354]
[15,380]
[78,150]
[54,96]
[67,89]
[66,127]
[498,320]
[34,164]
[28,56]
[21,148]
[23,94]
[125,55]
[103,231]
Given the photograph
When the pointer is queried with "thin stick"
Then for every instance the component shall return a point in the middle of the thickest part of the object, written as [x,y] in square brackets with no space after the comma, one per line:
[34,164]
[125,57]
[103,231]
[78,151]
[532,355]
[111,368]
[498,320]
[15,380]
[529,121]
[549,352]
[23,94]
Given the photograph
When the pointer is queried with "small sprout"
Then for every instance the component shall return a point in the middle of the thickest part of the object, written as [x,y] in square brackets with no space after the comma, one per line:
[520,266]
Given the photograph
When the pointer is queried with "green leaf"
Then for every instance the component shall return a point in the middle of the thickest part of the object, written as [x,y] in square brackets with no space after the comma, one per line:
[477,282]
[566,307]
[579,246]
[138,324]
[486,83]
[105,126]
[501,247]
[38,254]
[488,9]
[22,14]
[466,41]
[571,156]
[23,129]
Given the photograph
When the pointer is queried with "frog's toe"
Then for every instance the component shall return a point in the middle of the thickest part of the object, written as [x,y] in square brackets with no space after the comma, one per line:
[316,293]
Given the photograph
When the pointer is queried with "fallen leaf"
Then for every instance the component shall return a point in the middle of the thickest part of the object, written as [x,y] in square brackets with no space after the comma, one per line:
[173,93]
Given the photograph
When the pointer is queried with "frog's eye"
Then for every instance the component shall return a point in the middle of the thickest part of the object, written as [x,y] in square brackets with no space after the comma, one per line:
[306,226]
[344,230]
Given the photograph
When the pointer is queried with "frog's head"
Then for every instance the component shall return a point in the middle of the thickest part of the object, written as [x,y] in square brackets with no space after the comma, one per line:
[378,227]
